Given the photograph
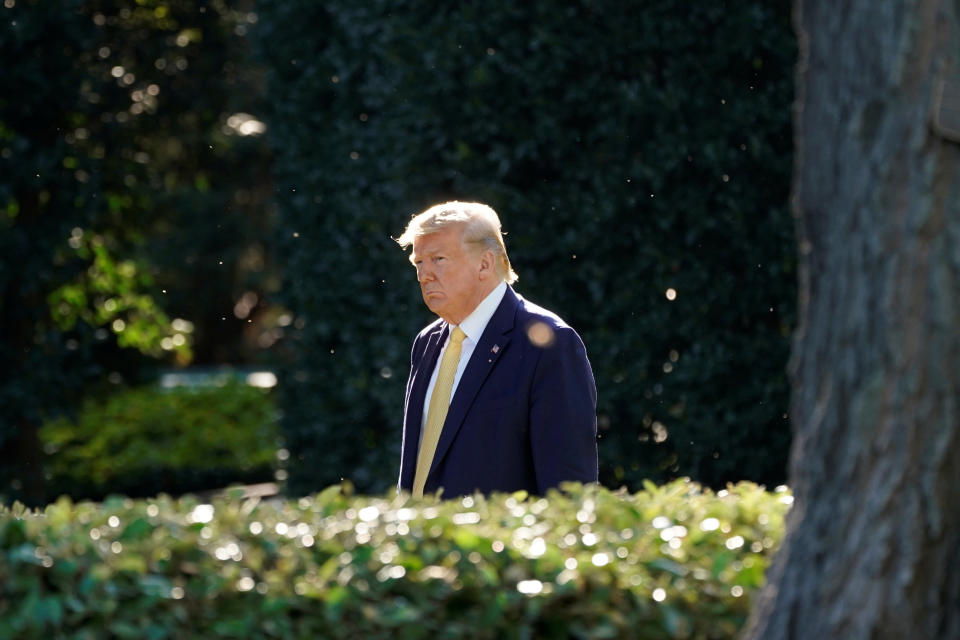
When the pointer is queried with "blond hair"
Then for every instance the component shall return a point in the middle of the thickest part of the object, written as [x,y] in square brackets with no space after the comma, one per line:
[481,227]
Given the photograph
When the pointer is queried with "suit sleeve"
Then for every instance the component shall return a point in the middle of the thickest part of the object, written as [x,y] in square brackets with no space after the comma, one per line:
[416,352]
[563,413]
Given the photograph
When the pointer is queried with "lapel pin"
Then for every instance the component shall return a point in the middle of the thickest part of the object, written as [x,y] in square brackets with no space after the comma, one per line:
[496,348]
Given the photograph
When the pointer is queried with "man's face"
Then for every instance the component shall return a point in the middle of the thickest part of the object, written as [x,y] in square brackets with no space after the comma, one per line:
[452,277]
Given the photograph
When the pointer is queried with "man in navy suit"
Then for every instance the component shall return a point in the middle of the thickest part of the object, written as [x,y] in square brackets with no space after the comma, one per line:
[522,409]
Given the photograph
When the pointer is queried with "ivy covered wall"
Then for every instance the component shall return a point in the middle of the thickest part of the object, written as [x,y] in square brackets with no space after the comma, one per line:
[639,155]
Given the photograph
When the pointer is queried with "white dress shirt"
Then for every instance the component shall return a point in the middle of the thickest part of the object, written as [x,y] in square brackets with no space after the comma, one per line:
[472,326]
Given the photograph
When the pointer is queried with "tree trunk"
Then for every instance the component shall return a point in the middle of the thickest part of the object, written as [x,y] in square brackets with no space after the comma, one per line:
[873,542]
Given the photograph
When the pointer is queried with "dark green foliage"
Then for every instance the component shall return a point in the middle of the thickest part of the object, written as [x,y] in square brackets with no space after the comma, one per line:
[668,562]
[124,196]
[144,441]
[630,148]
[37,212]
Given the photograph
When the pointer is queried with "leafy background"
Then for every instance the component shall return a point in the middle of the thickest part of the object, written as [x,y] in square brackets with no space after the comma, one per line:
[630,150]
[224,179]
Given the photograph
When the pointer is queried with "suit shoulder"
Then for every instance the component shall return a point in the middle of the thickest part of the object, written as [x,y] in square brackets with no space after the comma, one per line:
[543,327]
[430,329]
[531,312]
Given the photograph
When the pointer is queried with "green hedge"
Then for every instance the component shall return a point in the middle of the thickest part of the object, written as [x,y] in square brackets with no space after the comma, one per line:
[149,440]
[669,562]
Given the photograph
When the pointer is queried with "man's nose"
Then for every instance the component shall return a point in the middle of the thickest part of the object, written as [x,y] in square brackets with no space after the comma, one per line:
[423,274]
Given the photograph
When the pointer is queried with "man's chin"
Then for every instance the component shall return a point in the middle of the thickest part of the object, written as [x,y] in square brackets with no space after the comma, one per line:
[433,302]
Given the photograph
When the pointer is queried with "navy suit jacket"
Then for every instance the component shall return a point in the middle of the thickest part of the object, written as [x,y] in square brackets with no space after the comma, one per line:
[523,415]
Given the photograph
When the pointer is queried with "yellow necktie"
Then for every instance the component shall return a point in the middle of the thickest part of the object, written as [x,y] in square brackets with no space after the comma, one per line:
[439,404]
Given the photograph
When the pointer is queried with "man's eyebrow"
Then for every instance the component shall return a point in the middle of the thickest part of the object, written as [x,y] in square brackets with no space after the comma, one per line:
[428,252]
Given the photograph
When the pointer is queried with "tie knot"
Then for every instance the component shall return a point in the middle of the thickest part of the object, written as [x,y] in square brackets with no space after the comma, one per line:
[457,335]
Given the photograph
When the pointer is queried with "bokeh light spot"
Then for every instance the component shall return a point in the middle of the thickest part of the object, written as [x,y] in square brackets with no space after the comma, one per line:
[541,334]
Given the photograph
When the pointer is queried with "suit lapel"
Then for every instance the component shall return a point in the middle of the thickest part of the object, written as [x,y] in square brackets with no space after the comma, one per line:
[418,391]
[491,346]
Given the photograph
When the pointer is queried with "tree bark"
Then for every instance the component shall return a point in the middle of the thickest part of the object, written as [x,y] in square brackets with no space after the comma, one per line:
[873,542]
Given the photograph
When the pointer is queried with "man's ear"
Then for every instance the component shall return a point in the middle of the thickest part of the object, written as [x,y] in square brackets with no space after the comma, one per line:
[487,264]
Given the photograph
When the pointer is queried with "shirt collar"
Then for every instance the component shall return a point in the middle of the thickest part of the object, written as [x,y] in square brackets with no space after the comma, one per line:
[474,324]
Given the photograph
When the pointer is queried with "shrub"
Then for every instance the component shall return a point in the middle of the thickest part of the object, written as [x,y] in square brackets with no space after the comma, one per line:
[150,440]
[668,562]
